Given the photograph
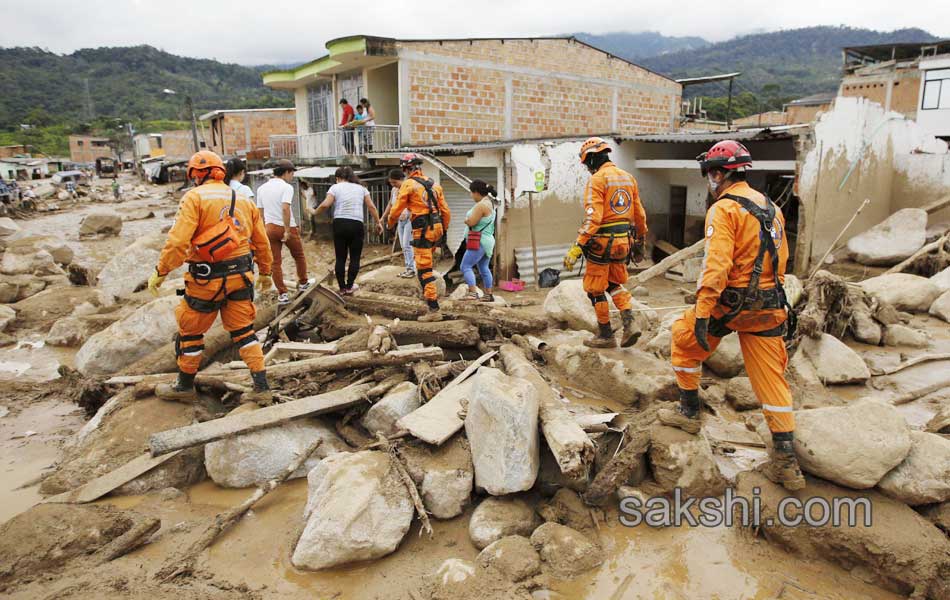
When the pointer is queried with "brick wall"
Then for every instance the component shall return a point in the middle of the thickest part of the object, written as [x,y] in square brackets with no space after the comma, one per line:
[178,144]
[230,136]
[905,90]
[86,149]
[491,90]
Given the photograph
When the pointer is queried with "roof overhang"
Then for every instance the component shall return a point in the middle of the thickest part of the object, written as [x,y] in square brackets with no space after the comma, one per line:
[691,137]
[343,54]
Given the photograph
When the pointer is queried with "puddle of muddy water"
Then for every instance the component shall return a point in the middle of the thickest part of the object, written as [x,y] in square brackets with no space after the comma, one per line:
[32,360]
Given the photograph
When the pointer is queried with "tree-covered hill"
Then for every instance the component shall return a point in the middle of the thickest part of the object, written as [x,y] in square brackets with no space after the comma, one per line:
[635,46]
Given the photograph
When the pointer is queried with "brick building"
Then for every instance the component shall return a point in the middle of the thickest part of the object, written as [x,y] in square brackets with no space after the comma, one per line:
[14,150]
[87,148]
[247,132]
[174,145]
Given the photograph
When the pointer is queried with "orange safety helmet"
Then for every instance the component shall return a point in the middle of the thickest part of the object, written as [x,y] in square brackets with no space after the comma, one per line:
[592,146]
[206,160]
[727,154]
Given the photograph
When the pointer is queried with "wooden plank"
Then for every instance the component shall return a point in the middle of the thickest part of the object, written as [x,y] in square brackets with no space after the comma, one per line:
[438,419]
[667,247]
[100,486]
[306,348]
[354,360]
[668,263]
[937,205]
[209,431]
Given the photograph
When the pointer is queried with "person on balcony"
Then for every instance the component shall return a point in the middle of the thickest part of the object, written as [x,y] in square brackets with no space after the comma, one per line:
[348,115]
[275,199]
[370,124]
[404,227]
[348,196]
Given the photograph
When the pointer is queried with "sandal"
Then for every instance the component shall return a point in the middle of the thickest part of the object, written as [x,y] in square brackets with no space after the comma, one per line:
[408,274]
[471,297]
[487,298]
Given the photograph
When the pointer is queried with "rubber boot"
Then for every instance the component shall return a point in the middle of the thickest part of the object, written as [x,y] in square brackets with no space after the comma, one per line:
[630,333]
[182,390]
[261,394]
[433,315]
[604,339]
[686,416]
[782,467]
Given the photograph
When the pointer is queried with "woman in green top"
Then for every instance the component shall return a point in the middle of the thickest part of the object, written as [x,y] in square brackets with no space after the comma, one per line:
[480,220]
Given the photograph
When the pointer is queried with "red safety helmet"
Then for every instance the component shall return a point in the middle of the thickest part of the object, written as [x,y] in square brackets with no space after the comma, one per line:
[727,154]
[410,159]
[593,145]
[205,160]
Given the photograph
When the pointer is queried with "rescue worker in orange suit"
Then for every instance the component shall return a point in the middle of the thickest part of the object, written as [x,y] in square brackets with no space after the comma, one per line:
[740,290]
[614,230]
[215,231]
[430,220]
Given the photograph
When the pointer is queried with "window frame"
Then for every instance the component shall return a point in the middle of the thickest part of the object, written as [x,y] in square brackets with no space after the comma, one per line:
[939,79]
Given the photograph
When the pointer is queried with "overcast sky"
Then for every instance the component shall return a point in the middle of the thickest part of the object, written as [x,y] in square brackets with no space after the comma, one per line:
[261,32]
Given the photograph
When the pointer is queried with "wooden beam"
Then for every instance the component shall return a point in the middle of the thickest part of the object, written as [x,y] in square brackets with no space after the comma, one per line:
[353,360]
[100,486]
[668,263]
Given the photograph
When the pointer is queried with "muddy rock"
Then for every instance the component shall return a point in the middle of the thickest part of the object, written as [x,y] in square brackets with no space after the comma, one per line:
[40,541]
[942,280]
[568,305]
[502,429]
[567,508]
[386,280]
[399,402]
[661,344]
[853,445]
[681,460]
[100,224]
[496,518]
[924,476]
[902,335]
[117,434]
[7,316]
[865,328]
[938,514]
[14,288]
[900,550]
[727,360]
[16,263]
[564,551]
[940,423]
[357,509]
[129,270]
[259,456]
[740,395]
[903,291]
[892,240]
[941,307]
[126,341]
[834,361]
[513,556]
[62,254]
[70,332]
[444,475]
[8,228]
[793,289]
[461,291]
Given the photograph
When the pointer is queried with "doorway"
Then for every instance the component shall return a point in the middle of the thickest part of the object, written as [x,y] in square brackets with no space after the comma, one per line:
[676,225]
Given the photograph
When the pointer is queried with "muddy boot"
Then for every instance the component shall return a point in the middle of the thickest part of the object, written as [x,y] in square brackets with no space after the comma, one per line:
[686,416]
[261,393]
[630,333]
[782,467]
[604,339]
[434,313]
[182,390]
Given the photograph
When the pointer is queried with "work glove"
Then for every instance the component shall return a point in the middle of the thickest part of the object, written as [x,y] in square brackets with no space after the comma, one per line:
[570,259]
[701,330]
[637,250]
[264,283]
[155,281]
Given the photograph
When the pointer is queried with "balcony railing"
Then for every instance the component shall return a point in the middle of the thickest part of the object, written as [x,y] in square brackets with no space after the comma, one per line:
[336,144]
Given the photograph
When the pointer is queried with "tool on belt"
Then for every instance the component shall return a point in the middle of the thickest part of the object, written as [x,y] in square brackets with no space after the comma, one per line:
[430,219]
[610,232]
[751,297]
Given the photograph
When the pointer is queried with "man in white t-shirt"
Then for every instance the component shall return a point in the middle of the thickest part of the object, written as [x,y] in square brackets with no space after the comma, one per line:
[275,199]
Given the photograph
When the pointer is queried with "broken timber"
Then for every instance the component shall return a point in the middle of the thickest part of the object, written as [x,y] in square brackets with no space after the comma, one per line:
[446,334]
[618,470]
[482,314]
[353,360]
[100,486]
[568,442]
[209,431]
[898,268]
[668,263]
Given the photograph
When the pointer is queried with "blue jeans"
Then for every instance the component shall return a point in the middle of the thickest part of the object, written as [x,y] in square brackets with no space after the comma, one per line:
[472,258]
[404,231]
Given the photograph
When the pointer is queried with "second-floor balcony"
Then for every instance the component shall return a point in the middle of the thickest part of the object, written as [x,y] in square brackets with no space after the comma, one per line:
[336,144]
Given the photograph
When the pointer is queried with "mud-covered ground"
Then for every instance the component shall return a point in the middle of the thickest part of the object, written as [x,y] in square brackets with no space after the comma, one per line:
[252,560]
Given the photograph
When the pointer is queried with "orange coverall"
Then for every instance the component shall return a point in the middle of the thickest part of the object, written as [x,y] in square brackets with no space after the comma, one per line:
[610,198]
[732,242]
[200,208]
[412,195]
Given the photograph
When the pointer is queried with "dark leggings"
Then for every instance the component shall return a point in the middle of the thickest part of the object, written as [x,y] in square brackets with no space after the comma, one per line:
[347,239]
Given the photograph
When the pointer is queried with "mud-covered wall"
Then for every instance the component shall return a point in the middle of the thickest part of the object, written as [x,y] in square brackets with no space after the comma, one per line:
[859,151]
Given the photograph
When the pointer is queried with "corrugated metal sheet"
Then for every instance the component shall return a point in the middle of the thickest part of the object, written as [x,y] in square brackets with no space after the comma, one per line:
[549,257]
[758,133]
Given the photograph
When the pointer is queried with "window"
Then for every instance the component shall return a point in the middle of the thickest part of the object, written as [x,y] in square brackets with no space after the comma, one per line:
[79,143]
[936,89]
[319,110]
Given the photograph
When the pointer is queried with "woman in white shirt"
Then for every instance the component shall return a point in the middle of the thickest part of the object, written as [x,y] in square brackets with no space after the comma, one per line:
[235,171]
[348,197]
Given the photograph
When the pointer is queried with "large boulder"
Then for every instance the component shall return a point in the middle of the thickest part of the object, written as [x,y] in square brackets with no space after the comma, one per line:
[357,509]
[902,335]
[71,332]
[399,402]
[260,456]
[8,228]
[924,476]
[727,359]
[834,361]
[130,269]
[941,307]
[942,280]
[513,556]
[684,461]
[444,475]
[386,280]
[496,518]
[124,342]
[14,288]
[568,306]
[853,445]
[7,316]
[740,395]
[502,428]
[892,240]
[891,544]
[100,223]
[565,551]
[903,291]
[865,328]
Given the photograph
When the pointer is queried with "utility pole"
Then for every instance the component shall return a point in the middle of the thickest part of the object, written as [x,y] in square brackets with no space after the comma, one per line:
[135,154]
[194,125]
[729,107]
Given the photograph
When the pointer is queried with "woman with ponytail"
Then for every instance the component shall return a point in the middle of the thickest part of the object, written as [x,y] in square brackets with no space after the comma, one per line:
[480,240]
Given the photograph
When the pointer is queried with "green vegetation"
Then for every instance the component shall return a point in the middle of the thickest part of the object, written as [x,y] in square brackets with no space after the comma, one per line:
[634,46]
[96,90]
